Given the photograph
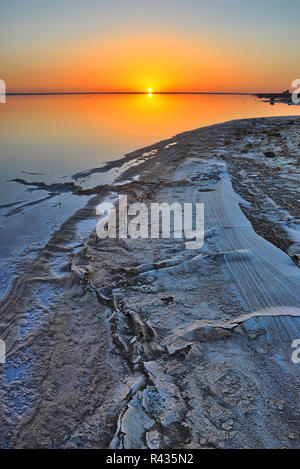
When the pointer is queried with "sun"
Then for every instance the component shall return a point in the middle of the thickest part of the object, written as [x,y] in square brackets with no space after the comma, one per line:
[150,92]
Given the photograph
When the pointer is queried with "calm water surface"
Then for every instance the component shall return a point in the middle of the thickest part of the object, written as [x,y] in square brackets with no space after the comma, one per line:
[65,134]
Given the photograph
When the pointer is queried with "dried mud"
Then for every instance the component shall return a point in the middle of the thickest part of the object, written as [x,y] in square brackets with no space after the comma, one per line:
[143,343]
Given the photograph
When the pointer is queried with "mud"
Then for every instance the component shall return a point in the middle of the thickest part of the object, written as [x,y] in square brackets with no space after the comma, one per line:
[143,343]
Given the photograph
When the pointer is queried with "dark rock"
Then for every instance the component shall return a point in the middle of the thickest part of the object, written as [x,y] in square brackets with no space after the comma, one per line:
[167,299]
[295,258]
[270,154]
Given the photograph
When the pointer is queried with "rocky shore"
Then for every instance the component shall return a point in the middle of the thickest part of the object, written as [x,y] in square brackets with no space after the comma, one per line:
[142,343]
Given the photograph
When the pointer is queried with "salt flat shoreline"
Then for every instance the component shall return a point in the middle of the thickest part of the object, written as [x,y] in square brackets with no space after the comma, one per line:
[145,344]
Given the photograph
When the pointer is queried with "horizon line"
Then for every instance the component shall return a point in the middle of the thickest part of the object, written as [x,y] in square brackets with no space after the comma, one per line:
[38,93]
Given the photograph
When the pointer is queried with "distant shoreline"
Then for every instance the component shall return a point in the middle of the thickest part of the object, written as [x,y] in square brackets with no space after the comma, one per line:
[272,98]
[51,93]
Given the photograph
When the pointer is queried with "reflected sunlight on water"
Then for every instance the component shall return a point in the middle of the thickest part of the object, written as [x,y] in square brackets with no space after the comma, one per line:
[62,134]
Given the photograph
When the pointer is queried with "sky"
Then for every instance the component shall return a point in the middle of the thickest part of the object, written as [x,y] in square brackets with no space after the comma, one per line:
[171,45]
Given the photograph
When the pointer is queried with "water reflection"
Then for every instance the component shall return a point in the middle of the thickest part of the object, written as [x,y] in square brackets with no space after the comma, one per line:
[65,134]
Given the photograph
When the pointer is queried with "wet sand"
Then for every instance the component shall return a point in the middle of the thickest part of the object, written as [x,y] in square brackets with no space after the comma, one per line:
[146,344]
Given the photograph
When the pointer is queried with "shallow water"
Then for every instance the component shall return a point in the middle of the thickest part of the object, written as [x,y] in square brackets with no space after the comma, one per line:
[63,134]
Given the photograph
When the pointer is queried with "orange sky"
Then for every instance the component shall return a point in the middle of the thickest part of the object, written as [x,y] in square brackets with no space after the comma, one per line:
[222,45]
[135,63]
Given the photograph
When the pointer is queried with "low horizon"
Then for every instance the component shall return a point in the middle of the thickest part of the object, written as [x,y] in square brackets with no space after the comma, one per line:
[93,92]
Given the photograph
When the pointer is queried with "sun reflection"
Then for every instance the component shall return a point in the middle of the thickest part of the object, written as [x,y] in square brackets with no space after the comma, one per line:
[150,92]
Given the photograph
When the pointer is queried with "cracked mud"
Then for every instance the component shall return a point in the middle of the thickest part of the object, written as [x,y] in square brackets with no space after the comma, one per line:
[142,343]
